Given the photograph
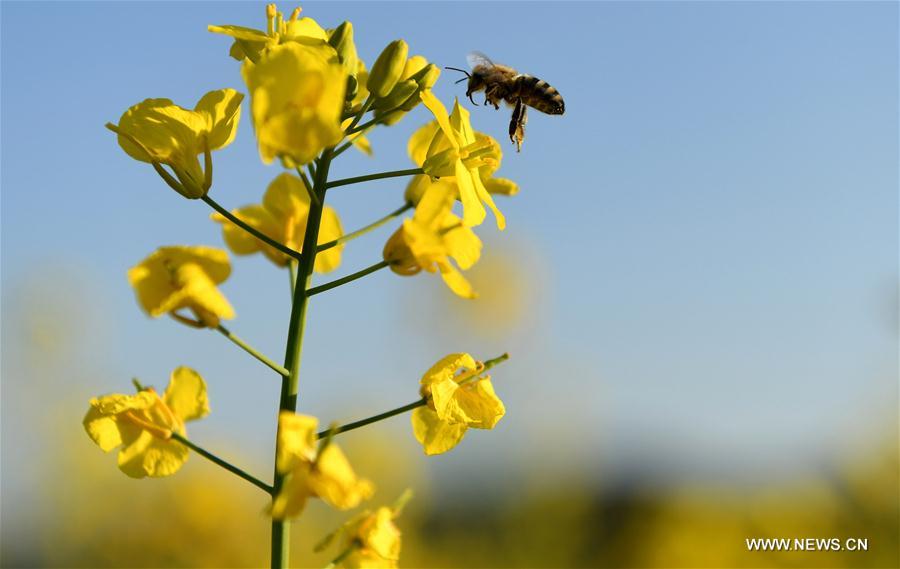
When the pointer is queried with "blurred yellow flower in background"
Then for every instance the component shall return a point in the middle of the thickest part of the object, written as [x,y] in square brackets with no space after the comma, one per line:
[431,238]
[282,215]
[324,472]
[179,277]
[370,539]
[455,151]
[159,131]
[456,401]
[143,424]
[296,101]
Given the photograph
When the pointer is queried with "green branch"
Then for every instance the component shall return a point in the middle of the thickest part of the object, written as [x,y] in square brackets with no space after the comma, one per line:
[371,227]
[252,351]
[249,229]
[224,464]
[378,176]
[349,278]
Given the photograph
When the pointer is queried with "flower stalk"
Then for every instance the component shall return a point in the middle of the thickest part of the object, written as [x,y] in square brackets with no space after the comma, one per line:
[251,230]
[252,351]
[349,278]
[378,176]
[371,227]
[224,464]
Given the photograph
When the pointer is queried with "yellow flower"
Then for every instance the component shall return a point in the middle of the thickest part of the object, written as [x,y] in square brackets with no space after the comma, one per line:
[296,101]
[158,131]
[455,151]
[179,277]
[282,216]
[250,43]
[324,473]
[371,538]
[456,401]
[143,424]
[418,146]
[432,238]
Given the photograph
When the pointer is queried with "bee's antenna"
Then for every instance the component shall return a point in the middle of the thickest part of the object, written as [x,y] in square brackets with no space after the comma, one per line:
[468,75]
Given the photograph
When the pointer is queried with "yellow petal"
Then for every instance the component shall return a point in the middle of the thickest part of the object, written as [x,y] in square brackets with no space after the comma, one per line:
[237,239]
[434,435]
[484,196]
[151,456]
[222,110]
[442,394]
[291,500]
[477,401]
[435,205]
[462,243]
[473,211]
[440,114]
[418,144]
[459,120]
[286,199]
[296,440]
[329,230]
[501,186]
[456,282]
[334,481]
[240,32]
[379,533]
[186,394]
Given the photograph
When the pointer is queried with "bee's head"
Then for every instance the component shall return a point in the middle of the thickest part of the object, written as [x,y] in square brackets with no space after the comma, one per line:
[475,82]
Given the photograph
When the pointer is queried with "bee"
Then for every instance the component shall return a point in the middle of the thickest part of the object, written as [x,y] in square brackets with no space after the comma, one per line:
[502,83]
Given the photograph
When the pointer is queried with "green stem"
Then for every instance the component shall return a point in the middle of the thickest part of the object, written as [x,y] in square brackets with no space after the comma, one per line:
[362,111]
[399,410]
[371,227]
[340,558]
[307,185]
[378,176]
[292,271]
[371,122]
[349,278]
[281,548]
[252,231]
[224,464]
[251,350]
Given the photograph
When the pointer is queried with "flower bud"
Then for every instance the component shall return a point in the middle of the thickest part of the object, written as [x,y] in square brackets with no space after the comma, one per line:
[387,69]
[402,91]
[425,78]
[397,252]
[341,39]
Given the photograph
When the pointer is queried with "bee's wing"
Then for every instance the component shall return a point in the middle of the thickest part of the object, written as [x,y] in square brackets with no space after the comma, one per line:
[477,58]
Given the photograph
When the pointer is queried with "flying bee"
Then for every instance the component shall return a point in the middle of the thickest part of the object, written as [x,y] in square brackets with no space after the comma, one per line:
[502,83]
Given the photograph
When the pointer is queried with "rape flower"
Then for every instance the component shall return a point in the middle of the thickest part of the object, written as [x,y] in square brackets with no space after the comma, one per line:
[282,216]
[456,401]
[160,132]
[432,238]
[418,75]
[455,151]
[310,472]
[250,43]
[370,539]
[143,424]
[177,277]
[296,101]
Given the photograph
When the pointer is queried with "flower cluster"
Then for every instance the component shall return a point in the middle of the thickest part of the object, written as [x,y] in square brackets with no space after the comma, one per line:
[311,97]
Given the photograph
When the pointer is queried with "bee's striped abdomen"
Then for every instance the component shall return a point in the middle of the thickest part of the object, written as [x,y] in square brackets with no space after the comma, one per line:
[540,95]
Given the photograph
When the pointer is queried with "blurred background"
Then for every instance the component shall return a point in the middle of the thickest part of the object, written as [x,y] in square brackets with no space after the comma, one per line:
[698,288]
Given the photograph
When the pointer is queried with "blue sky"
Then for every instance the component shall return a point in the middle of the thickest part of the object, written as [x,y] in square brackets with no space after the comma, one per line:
[707,238]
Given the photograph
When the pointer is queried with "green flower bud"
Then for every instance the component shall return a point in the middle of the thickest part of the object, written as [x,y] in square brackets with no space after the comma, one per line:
[341,39]
[402,91]
[387,69]
[425,78]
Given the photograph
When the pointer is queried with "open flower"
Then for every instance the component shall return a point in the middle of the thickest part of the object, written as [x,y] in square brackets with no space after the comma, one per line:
[370,539]
[160,132]
[457,399]
[143,424]
[249,43]
[455,151]
[322,472]
[432,238]
[282,216]
[179,277]
[296,101]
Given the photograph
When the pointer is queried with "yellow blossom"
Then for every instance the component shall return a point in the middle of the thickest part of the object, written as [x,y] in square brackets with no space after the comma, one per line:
[455,151]
[457,399]
[370,539]
[296,101]
[160,132]
[432,238]
[178,277]
[309,472]
[143,424]
[282,216]
[249,43]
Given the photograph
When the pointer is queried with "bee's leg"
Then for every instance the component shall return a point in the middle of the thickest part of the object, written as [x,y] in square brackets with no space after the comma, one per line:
[469,95]
[517,125]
